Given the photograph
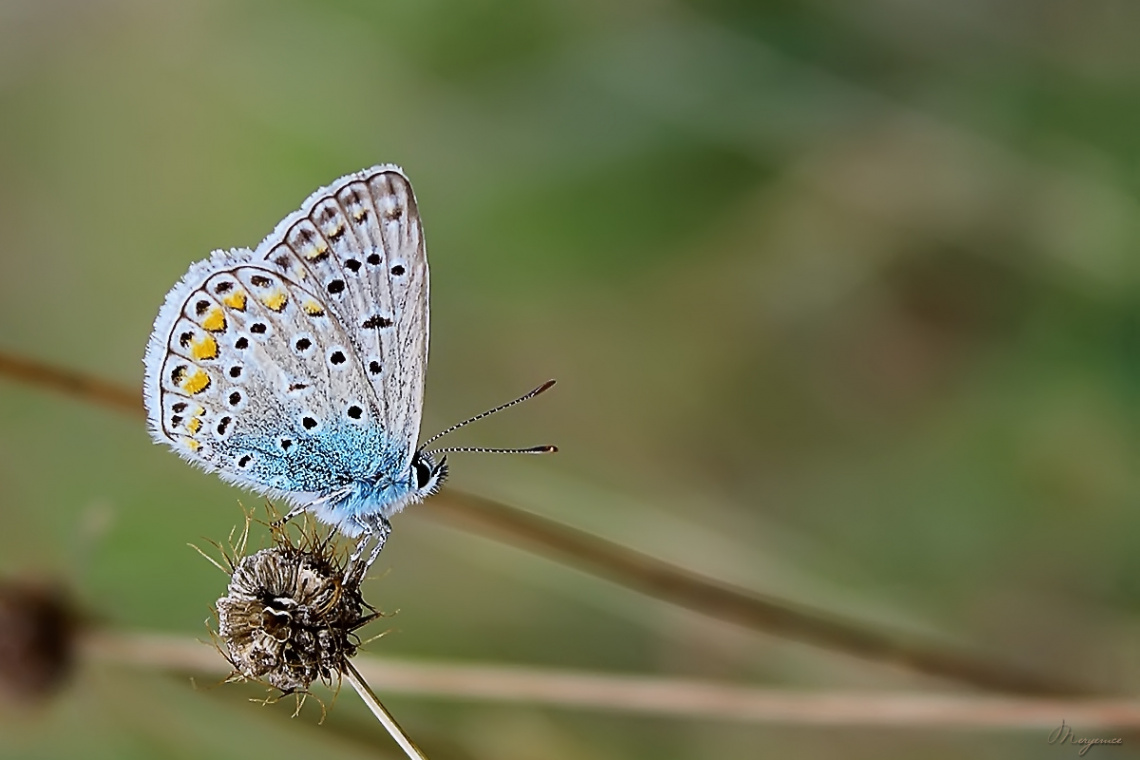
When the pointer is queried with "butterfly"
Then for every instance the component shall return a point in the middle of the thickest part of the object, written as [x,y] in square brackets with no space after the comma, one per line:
[297,369]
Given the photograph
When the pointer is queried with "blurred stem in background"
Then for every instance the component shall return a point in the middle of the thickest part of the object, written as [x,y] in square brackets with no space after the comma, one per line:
[649,575]
[651,695]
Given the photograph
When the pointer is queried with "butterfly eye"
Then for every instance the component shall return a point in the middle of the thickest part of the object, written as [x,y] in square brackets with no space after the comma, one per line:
[423,472]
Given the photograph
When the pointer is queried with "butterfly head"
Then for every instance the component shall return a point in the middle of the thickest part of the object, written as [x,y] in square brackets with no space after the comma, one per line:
[427,475]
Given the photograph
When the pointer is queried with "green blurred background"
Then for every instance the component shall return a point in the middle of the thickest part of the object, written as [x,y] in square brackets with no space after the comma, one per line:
[843,300]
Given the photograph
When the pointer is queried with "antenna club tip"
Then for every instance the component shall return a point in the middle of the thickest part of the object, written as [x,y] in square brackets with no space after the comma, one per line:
[549,449]
[545,386]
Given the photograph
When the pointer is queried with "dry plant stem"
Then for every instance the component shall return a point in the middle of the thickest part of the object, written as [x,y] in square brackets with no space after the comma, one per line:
[720,600]
[689,698]
[353,676]
[646,574]
[77,384]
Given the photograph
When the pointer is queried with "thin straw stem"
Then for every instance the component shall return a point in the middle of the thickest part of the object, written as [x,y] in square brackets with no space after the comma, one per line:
[668,696]
[386,719]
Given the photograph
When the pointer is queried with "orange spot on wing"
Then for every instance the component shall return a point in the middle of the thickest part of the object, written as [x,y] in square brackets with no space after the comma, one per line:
[194,425]
[215,321]
[206,348]
[276,300]
[190,443]
[235,300]
[196,382]
[313,309]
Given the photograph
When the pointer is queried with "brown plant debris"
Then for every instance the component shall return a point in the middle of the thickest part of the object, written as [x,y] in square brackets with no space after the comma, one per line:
[290,615]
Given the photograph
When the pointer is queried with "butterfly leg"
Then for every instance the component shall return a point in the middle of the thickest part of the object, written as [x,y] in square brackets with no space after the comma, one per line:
[289,516]
[378,530]
[383,530]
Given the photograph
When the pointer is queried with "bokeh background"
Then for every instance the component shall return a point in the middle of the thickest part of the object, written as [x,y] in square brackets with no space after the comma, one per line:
[843,300]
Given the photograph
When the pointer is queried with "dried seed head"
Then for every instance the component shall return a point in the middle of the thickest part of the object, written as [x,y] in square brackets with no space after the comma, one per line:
[38,631]
[289,616]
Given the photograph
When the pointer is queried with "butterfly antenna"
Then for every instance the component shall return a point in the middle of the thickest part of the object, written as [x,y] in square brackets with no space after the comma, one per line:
[485,450]
[525,397]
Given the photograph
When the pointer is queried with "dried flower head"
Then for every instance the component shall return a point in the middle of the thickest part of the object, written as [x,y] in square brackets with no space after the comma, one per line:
[290,613]
[38,632]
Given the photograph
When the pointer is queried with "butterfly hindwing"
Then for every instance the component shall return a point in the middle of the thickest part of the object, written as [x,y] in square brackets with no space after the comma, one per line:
[257,381]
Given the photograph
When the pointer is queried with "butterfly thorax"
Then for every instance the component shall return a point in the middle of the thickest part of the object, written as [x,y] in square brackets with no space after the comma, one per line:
[355,507]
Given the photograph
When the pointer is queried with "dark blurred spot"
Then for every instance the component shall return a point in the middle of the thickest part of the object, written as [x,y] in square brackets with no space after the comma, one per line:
[38,628]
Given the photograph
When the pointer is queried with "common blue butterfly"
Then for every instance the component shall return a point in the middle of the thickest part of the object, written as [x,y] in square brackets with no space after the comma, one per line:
[297,369]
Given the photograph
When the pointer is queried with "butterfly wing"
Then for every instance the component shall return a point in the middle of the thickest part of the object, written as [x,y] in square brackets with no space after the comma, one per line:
[249,375]
[359,244]
[297,369]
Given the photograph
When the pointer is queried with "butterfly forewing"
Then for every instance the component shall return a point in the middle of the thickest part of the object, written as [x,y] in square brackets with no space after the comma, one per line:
[359,244]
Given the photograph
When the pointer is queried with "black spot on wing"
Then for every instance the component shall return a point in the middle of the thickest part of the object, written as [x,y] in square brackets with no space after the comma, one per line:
[375,322]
